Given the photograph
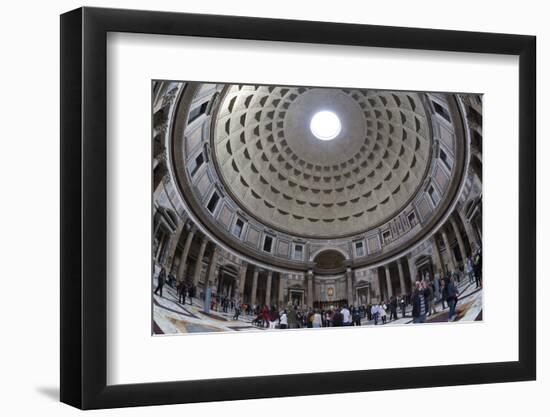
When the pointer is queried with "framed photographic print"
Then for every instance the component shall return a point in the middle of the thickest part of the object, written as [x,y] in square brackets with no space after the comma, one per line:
[256,208]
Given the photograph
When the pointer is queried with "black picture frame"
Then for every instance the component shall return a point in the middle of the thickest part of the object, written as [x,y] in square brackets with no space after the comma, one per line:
[84,207]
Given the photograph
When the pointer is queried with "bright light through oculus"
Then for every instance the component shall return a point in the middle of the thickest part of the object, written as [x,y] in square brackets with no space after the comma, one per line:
[325,125]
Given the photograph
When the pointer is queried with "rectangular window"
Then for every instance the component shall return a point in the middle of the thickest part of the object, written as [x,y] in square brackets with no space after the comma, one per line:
[197,111]
[298,252]
[442,111]
[433,195]
[268,243]
[211,206]
[359,249]
[199,160]
[412,219]
[386,236]
[238,228]
[445,159]
[475,116]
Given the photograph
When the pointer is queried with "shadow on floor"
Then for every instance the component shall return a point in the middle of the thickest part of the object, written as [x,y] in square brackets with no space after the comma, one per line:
[50,392]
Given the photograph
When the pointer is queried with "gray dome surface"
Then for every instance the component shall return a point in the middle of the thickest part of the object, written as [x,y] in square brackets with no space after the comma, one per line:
[279,173]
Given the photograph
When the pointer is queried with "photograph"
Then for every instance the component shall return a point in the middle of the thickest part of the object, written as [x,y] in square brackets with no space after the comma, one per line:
[278,207]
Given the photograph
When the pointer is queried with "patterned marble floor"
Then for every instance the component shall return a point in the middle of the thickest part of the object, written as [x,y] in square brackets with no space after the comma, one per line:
[171,317]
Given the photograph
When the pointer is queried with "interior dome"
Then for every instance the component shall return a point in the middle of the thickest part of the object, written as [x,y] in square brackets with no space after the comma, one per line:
[253,177]
[249,202]
[280,173]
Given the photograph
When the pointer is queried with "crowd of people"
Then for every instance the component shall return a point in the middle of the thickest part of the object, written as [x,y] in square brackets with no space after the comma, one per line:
[427,294]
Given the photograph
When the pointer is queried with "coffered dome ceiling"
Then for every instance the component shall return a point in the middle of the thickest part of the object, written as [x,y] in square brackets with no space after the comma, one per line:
[254,177]
[281,174]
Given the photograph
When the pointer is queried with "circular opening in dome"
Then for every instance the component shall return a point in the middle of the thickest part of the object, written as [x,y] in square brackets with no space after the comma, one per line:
[325,125]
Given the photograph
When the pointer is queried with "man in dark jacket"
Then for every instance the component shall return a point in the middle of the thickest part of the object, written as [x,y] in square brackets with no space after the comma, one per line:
[192,292]
[160,281]
[393,308]
[478,268]
[337,318]
[182,292]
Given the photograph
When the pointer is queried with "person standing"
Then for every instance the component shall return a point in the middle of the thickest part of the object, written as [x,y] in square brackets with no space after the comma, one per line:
[452,298]
[375,312]
[443,293]
[428,295]
[418,304]
[283,320]
[369,312]
[478,268]
[317,320]
[346,316]
[273,317]
[237,312]
[437,284]
[356,316]
[470,270]
[182,292]
[171,279]
[160,281]
[265,316]
[403,305]
[337,318]
[192,292]
[393,308]
[292,321]
[382,312]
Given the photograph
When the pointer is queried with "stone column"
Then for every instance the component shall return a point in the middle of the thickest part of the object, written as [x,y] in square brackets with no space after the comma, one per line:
[374,280]
[349,285]
[369,294]
[268,288]
[435,248]
[281,294]
[254,286]
[456,230]
[448,249]
[172,246]
[310,288]
[388,280]
[383,294]
[401,276]
[211,271]
[183,260]
[412,270]
[472,235]
[242,280]
[198,266]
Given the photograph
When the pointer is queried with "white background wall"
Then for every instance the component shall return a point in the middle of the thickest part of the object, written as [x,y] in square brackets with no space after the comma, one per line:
[29,220]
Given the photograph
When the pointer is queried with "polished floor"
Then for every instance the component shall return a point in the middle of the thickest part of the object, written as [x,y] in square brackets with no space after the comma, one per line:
[171,317]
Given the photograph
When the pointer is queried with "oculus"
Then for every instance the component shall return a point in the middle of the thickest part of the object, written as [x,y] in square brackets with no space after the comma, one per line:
[325,125]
